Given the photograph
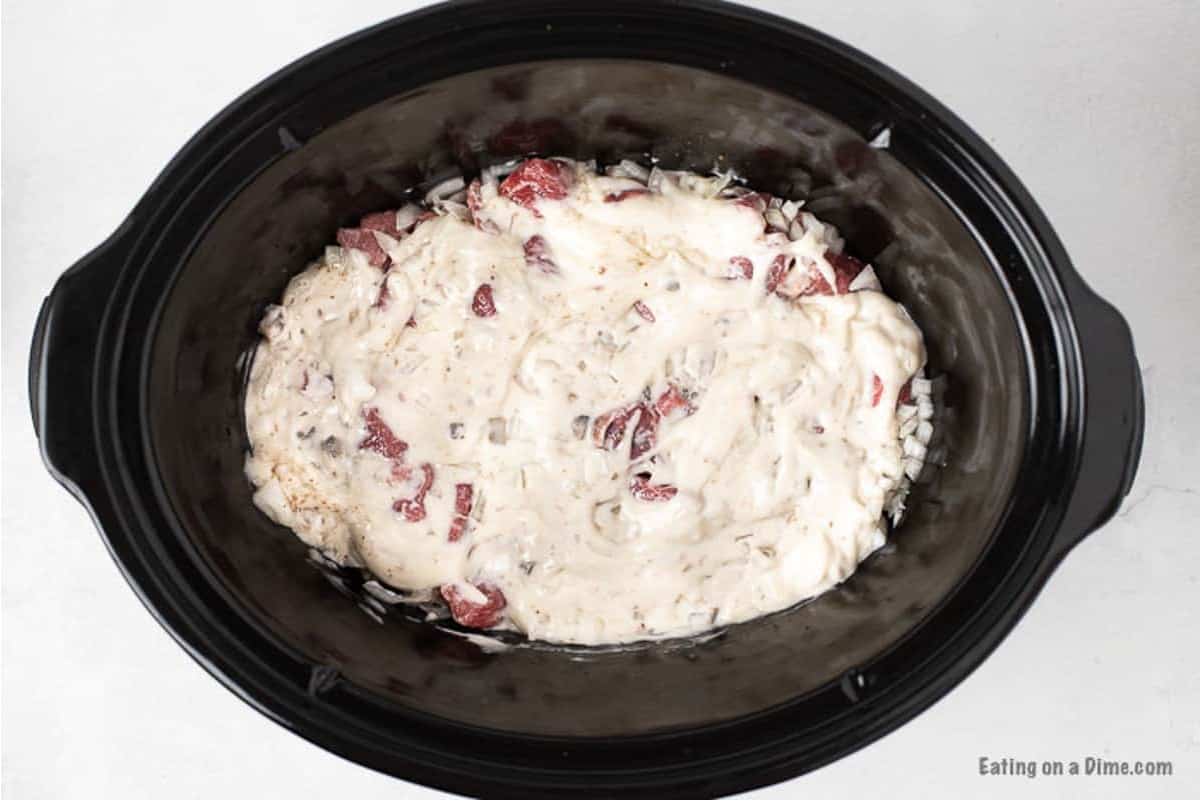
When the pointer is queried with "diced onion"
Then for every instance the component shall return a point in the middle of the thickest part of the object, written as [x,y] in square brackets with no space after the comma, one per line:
[866,279]
[445,189]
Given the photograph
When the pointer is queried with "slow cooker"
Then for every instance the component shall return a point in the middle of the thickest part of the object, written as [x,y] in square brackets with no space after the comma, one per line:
[138,363]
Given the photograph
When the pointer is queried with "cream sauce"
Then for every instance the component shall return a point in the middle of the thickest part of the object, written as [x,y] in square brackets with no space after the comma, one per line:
[781,462]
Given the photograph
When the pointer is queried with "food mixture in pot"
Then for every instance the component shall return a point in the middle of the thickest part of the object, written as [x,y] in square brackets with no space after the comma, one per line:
[590,407]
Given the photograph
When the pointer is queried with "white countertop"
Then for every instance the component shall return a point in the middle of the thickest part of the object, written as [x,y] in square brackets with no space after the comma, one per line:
[1095,106]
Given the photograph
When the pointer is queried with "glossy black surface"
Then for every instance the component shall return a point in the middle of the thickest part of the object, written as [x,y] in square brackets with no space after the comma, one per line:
[137,393]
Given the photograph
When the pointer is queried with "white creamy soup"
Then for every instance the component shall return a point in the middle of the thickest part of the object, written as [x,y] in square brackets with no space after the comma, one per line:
[593,408]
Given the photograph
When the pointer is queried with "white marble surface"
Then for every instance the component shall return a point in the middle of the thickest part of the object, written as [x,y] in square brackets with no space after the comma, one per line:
[1095,105]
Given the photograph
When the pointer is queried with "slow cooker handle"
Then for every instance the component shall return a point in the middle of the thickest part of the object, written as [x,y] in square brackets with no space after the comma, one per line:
[62,359]
[1114,418]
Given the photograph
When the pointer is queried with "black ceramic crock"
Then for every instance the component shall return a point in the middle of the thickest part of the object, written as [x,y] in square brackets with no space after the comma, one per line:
[137,360]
